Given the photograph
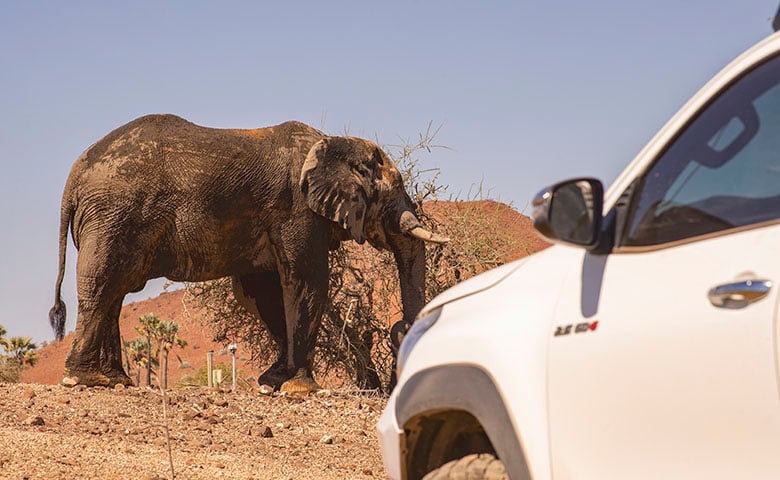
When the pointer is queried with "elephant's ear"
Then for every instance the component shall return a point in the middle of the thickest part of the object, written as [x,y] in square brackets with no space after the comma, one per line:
[335,186]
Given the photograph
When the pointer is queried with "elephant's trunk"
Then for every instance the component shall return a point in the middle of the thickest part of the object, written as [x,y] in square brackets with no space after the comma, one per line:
[408,247]
[409,253]
[411,272]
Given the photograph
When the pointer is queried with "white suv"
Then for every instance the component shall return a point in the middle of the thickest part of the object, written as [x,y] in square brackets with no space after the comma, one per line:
[645,343]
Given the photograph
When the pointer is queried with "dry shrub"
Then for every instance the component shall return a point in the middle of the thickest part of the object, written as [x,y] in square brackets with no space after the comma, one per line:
[10,371]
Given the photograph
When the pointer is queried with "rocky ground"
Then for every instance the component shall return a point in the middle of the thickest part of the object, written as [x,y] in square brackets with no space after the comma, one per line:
[53,432]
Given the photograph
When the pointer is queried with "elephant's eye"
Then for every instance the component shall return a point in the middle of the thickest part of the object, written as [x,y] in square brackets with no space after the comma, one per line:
[377,157]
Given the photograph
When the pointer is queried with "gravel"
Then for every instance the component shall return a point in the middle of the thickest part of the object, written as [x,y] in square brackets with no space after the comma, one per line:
[52,432]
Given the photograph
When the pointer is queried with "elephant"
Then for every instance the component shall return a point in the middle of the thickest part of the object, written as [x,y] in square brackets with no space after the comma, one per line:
[164,197]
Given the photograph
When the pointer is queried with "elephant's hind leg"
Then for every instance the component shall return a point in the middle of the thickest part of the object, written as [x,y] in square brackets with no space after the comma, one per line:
[95,356]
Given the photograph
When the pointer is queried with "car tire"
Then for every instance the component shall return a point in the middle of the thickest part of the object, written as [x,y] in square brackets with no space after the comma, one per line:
[482,466]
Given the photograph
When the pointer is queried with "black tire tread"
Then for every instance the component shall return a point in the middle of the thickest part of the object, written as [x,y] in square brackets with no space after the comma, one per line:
[479,466]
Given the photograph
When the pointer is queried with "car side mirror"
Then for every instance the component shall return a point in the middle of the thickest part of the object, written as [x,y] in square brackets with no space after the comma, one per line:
[570,212]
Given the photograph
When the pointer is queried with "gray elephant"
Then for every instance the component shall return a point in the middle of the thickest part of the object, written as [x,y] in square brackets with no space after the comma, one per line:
[163,197]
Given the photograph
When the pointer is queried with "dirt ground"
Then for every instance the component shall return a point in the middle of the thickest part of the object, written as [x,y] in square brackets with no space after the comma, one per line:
[53,432]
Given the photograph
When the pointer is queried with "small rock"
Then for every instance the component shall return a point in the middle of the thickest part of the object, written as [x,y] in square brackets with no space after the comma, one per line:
[82,413]
[28,394]
[216,447]
[64,400]
[192,414]
[70,381]
[160,442]
[331,439]
[265,390]
[221,402]
[214,420]
[324,393]
[34,420]
[119,387]
[262,431]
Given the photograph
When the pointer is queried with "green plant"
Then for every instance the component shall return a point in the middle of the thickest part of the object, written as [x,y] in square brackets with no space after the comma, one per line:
[167,335]
[151,350]
[138,355]
[19,353]
[200,377]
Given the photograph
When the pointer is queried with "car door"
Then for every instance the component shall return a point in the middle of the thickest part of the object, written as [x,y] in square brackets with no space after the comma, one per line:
[663,360]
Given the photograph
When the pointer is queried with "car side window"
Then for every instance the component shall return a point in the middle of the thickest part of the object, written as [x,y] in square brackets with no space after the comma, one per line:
[722,172]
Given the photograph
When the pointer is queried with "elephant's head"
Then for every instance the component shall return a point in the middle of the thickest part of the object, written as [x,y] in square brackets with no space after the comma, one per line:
[354,183]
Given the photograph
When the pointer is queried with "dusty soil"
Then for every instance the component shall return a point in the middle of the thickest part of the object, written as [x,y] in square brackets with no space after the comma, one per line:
[52,432]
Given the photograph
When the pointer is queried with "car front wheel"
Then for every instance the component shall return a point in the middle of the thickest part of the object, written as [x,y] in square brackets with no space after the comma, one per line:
[482,466]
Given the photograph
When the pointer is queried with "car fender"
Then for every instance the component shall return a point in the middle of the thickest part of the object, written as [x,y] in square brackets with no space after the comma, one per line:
[499,334]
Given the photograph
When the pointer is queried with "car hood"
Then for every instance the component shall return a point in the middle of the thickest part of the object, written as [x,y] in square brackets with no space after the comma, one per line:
[474,285]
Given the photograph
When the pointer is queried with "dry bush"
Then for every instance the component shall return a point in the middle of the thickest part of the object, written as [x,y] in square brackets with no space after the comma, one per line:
[353,347]
[10,371]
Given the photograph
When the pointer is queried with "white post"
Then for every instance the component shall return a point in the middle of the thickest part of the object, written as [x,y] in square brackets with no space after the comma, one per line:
[210,367]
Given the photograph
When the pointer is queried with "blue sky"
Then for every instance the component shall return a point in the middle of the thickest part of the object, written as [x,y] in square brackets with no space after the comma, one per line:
[527,93]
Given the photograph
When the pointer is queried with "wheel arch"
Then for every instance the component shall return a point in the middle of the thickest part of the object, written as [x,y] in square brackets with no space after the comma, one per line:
[459,404]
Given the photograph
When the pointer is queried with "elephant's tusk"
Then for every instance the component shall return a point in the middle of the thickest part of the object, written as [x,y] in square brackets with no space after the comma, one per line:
[411,226]
[425,235]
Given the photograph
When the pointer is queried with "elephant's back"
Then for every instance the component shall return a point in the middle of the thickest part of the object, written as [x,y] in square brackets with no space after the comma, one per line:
[168,154]
[168,138]
[140,142]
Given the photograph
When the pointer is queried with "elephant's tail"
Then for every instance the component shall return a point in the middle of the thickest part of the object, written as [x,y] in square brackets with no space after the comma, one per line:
[58,311]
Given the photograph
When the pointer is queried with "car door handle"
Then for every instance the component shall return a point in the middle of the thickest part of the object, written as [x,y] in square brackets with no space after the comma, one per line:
[739,294]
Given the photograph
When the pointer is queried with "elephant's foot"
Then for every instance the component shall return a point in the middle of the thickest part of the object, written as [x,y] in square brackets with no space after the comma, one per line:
[92,379]
[275,376]
[302,382]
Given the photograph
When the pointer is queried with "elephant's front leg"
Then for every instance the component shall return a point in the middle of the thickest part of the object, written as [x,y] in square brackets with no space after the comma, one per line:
[260,293]
[303,268]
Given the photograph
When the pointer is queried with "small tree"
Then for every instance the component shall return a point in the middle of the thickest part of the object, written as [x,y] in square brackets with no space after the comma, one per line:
[149,325]
[158,337]
[138,355]
[167,335]
[19,353]
[21,350]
